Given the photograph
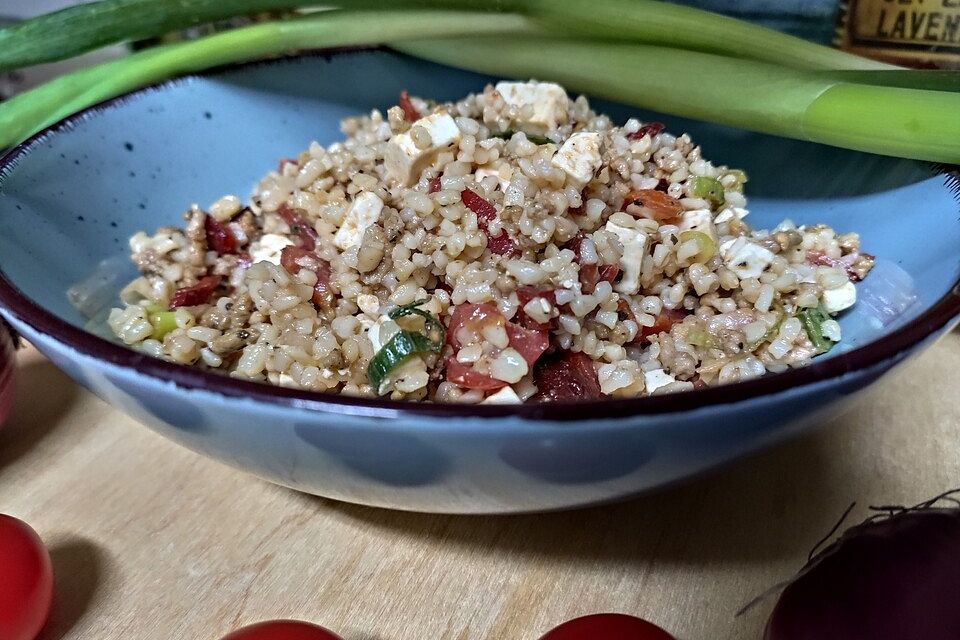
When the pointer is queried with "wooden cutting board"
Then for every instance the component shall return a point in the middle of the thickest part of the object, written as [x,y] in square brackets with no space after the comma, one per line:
[153,542]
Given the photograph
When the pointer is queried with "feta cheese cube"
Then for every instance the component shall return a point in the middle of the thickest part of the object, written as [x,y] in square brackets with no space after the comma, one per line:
[656,379]
[728,214]
[363,212]
[579,157]
[505,396]
[744,258]
[634,244]
[486,172]
[843,297]
[698,220]
[405,161]
[544,104]
[369,304]
[268,248]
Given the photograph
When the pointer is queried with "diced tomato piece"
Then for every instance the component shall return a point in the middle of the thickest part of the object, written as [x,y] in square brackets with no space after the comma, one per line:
[304,235]
[574,243]
[502,245]
[589,277]
[479,205]
[591,274]
[663,323]
[662,185]
[527,293]
[197,294]
[567,376]
[464,375]
[529,343]
[219,236]
[473,316]
[284,162]
[244,260]
[651,129]
[293,259]
[410,113]
[609,272]
[434,185]
[662,207]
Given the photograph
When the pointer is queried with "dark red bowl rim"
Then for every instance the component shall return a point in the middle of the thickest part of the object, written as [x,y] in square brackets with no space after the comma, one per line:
[939,316]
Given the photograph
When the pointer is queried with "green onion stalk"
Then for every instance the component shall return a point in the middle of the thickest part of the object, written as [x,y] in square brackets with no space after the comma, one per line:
[819,107]
[75,30]
[33,110]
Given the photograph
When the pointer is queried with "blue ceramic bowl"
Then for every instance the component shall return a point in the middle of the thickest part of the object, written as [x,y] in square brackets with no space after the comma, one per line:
[71,196]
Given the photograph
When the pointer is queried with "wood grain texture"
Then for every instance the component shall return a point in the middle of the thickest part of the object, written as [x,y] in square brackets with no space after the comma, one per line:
[153,542]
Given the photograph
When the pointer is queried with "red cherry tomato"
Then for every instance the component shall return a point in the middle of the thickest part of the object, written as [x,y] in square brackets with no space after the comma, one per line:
[26,581]
[282,630]
[608,626]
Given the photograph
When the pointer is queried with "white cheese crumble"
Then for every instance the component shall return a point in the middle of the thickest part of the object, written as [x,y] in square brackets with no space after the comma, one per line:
[505,396]
[634,244]
[405,161]
[544,105]
[656,379]
[268,248]
[579,157]
[744,258]
[843,297]
[363,212]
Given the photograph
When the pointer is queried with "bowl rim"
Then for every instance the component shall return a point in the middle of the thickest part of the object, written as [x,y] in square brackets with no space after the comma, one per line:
[940,314]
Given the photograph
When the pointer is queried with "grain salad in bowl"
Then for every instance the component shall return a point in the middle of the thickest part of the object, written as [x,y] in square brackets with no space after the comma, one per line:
[513,246]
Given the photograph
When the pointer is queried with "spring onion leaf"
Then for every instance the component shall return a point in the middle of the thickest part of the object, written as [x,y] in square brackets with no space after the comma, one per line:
[78,29]
[405,344]
[162,320]
[895,121]
[532,137]
[812,321]
[708,189]
[31,111]
[673,25]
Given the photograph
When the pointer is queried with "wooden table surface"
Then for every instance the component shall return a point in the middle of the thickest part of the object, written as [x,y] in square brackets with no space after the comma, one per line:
[152,542]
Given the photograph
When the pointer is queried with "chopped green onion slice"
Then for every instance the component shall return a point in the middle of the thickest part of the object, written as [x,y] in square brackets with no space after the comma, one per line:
[700,338]
[431,324]
[708,248]
[162,320]
[812,321]
[405,344]
[708,189]
[532,137]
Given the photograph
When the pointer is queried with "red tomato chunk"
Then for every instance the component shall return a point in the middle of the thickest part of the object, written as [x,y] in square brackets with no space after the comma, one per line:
[567,376]
[197,294]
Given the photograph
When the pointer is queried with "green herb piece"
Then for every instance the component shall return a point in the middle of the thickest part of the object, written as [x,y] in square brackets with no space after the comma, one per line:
[162,320]
[708,189]
[532,137]
[700,338]
[405,344]
[707,247]
[812,321]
